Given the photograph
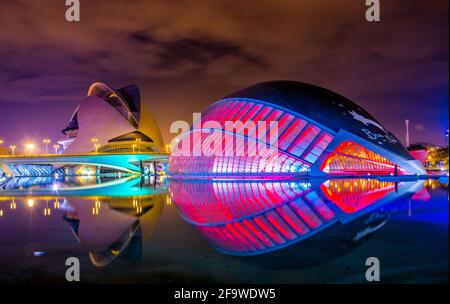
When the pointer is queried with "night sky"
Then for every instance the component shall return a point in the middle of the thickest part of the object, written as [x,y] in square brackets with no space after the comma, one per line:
[186,54]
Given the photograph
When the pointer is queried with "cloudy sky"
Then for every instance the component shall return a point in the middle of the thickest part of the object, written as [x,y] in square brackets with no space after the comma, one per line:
[185,54]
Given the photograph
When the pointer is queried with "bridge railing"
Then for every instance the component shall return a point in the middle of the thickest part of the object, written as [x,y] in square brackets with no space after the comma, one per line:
[81,154]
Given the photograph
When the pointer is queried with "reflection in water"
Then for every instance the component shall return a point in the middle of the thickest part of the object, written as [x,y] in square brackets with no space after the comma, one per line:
[24,182]
[84,186]
[109,218]
[115,226]
[289,225]
[249,218]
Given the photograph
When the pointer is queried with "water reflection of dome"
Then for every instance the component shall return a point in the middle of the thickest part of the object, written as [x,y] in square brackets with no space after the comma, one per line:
[115,118]
[250,218]
[318,132]
[116,227]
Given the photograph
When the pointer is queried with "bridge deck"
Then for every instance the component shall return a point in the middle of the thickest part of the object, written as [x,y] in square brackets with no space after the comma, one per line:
[123,161]
[33,156]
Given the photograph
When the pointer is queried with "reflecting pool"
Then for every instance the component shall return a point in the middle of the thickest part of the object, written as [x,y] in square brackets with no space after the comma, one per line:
[156,230]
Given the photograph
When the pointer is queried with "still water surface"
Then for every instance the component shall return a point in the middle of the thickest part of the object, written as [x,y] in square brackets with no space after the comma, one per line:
[155,230]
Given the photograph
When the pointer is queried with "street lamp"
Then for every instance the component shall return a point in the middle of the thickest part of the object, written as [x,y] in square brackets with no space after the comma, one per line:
[138,140]
[2,141]
[96,147]
[12,147]
[30,147]
[56,147]
[134,147]
[46,141]
[94,140]
[30,203]
[47,211]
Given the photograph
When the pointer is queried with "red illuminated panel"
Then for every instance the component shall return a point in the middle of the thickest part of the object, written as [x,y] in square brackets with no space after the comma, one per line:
[234,149]
[268,229]
[352,158]
[248,121]
[304,140]
[420,155]
[317,148]
[231,155]
[319,205]
[293,221]
[262,114]
[305,213]
[233,111]
[259,119]
[251,217]
[272,117]
[220,111]
[288,136]
[241,238]
[352,195]
[243,109]
[280,225]
[249,115]
[227,201]
[258,233]
[283,121]
[243,230]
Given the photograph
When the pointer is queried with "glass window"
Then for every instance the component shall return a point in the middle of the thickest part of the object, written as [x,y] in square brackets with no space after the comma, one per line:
[303,140]
[291,133]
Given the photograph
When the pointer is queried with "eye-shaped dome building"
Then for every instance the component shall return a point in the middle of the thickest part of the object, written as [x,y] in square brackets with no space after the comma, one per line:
[317,132]
[115,119]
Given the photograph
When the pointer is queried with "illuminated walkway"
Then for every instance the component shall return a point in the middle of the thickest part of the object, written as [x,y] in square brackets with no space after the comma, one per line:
[129,162]
[124,187]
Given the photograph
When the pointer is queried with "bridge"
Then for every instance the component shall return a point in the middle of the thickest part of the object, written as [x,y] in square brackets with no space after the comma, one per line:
[123,187]
[127,162]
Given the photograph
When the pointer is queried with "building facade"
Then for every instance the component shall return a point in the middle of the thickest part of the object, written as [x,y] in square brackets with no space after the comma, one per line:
[287,128]
[110,120]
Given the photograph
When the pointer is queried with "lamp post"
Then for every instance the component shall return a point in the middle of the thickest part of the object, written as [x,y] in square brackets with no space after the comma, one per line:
[13,148]
[94,140]
[46,141]
[30,148]
[134,147]
[47,211]
[138,140]
[30,203]
[56,147]
[96,147]
[407,133]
